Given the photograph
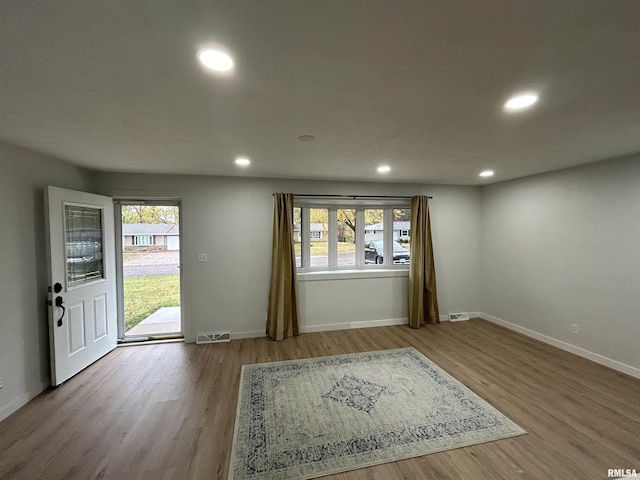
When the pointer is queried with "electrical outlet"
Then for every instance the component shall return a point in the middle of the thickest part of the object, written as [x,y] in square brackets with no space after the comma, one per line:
[202,258]
[0,383]
[574,329]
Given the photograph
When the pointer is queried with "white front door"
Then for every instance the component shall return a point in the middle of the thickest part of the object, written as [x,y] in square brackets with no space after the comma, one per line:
[82,280]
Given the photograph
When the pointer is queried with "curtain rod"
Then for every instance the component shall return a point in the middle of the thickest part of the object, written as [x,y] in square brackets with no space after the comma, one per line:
[354,197]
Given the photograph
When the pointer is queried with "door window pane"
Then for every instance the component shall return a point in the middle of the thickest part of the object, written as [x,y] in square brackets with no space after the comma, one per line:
[373,236]
[346,232]
[319,223]
[83,244]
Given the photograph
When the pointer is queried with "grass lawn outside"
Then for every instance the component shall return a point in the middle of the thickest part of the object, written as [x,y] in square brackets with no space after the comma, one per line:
[322,248]
[145,295]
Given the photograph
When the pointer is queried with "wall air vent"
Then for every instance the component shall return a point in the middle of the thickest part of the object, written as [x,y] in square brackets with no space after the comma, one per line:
[214,337]
[458,317]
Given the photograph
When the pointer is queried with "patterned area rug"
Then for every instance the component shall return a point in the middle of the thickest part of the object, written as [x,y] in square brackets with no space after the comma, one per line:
[307,418]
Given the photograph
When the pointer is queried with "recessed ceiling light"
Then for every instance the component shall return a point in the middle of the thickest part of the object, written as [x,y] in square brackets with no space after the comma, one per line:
[215,60]
[384,169]
[306,138]
[521,101]
[243,162]
[486,173]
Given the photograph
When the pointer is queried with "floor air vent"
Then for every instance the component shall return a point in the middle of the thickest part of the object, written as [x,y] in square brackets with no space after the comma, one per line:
[215,337]
[457,317]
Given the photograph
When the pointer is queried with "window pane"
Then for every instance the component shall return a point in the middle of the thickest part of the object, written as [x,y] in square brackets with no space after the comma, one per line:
[319,223]
[346,232]
[83,244]
[297,246]
[401,235]
[373,236]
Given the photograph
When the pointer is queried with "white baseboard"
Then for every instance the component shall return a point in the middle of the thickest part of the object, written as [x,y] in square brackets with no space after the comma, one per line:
[350,325]
[328,327]
[325,328]
[380,323]
[253,334]
[344,326]
[594,357]
[18,402]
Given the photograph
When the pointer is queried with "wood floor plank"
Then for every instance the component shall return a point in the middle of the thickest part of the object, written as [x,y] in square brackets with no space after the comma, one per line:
[167,411]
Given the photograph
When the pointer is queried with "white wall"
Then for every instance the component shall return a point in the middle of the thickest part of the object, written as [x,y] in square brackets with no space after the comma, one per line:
[541,252]
[563,248]
[24,347]
[230,219]
[353,302]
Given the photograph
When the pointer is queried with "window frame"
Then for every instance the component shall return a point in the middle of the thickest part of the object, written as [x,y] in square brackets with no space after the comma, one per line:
[332,235]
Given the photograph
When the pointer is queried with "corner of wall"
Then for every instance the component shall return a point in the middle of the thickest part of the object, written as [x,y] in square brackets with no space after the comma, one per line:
[581,352]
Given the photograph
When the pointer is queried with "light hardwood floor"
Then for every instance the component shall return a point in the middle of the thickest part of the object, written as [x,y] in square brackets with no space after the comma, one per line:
[167,411]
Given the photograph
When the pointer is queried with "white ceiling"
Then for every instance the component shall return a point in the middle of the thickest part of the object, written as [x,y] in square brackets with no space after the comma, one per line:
[417,84]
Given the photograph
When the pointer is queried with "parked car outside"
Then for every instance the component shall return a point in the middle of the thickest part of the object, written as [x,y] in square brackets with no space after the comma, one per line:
[374,253]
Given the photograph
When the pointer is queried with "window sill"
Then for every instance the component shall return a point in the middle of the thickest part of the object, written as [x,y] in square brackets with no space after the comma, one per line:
[316,276]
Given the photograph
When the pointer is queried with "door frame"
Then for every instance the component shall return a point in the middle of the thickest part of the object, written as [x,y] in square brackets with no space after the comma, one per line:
[118,202]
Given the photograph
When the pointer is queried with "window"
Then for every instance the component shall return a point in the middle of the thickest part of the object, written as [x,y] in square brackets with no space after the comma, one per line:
[373,236]
[402,224]
[297,238]
[402,234]
[143,240]
[318,245]
[351,235]
[346,236]
[83,244]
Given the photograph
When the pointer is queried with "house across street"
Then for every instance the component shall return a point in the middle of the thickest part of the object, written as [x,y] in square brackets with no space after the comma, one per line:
[150,237]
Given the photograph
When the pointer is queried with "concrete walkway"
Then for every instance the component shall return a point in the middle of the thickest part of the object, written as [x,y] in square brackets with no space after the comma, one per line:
[164,320]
